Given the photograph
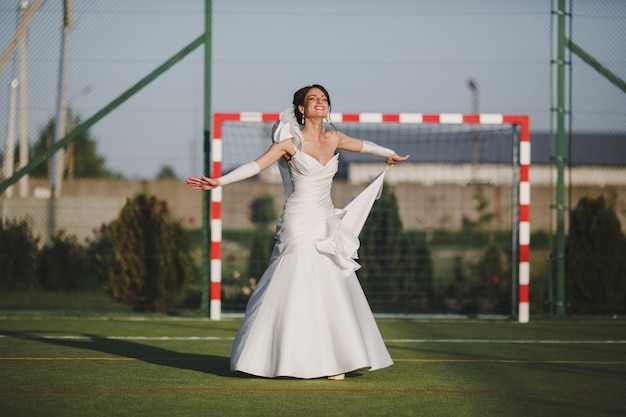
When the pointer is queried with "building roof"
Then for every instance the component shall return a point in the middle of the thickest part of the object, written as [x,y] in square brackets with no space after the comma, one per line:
[494,145]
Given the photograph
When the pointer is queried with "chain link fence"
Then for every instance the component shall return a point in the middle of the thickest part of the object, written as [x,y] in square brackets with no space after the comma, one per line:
[154,139]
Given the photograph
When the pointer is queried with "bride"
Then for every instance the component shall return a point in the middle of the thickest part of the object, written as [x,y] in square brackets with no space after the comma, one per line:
[308,316]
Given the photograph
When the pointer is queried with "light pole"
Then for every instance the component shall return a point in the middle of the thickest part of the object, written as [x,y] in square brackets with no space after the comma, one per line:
[471,83]
[9,153]
[56,176]
[23,157]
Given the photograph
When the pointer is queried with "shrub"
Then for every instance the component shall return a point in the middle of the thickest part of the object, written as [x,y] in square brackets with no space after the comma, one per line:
[61,264]
[18,251]
[597,264]
[260,250]
[492,279]
[262,211]
[145,256]
[415,270]
[263,215]
[380,252]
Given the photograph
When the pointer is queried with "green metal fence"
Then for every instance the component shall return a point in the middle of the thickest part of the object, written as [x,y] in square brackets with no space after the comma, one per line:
[136,107]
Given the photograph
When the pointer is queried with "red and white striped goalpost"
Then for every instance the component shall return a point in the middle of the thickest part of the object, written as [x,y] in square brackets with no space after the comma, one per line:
[410,118]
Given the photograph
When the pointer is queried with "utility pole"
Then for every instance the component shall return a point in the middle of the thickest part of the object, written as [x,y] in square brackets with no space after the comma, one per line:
[471,83]
[23,157]
[9,152]
[56,176]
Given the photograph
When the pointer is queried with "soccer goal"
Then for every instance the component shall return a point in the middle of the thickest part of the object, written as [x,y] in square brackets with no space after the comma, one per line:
[449,235]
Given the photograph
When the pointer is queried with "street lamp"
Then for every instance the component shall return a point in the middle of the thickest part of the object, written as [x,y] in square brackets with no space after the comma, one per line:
[9,153]
[471,83]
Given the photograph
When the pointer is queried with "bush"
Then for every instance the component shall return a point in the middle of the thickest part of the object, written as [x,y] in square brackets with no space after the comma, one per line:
[597,264]
[61,264]
[18,251]
[492,279]
[260,251]
[262,211]
[415,270]
[380,252]
[144,256]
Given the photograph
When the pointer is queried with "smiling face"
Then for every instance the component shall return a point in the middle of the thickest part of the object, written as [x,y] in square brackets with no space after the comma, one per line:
[306,99]
[315,104]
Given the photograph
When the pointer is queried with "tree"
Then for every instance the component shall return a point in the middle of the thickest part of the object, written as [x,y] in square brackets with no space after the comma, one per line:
[18,252]
[83,160]
[262,214]
[484,215]
[597,265]
[166,172]
[492,278]
[415,284]
[62,264]
[262,211]
[380,250]
[144,255]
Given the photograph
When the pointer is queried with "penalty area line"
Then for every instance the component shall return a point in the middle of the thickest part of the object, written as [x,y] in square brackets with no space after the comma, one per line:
[121,359]
[201,358]
[148,338]
[512,361]
[230,338]
[505,341]
[307,391]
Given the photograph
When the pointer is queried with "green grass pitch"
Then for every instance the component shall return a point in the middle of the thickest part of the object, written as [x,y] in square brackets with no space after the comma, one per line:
[126,365]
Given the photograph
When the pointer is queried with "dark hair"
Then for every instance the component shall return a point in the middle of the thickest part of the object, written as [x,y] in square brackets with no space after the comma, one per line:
[298,99]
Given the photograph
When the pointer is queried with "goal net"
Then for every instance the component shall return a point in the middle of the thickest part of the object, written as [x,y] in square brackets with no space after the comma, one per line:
[449,235]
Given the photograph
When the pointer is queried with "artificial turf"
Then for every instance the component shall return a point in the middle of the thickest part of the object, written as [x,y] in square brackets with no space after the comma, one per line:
[164,366]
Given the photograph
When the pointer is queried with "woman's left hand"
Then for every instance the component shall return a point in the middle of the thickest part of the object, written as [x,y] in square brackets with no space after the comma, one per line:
[395,158]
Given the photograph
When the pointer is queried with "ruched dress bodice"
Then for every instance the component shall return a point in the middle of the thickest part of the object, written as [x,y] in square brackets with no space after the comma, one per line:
[309,205]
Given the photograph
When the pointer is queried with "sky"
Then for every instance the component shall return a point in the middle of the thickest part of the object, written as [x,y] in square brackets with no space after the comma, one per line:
[394,56]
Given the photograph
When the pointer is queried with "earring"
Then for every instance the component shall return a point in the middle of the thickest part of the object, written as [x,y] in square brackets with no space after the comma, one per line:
[302,119]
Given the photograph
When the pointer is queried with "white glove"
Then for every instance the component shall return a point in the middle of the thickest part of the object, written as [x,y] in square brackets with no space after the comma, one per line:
[244,171]
[374,149]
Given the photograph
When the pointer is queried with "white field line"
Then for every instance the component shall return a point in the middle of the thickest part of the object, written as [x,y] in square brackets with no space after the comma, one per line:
[504,341]
[217,338]
[79,337]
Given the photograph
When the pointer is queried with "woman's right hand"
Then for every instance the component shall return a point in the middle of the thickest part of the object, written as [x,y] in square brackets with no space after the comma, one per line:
[203,183]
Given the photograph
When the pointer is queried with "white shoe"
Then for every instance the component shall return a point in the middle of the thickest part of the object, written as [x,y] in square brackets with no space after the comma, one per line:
[337,377]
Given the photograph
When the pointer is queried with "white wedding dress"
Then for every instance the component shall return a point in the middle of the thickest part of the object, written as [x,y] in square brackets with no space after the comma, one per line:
[308,316]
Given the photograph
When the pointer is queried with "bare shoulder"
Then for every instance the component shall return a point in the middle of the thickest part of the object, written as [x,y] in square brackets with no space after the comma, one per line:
[333,134]
[348,143]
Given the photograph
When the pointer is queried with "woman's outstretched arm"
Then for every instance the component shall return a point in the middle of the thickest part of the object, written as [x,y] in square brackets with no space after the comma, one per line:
[359,145]
[250,169]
